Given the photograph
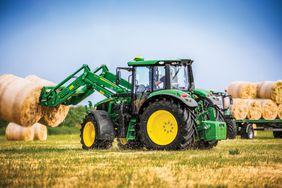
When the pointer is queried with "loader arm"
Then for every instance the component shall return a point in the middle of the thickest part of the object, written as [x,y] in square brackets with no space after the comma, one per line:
[82,83]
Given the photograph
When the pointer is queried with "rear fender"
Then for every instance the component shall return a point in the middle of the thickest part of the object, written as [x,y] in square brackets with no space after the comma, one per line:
[188,101]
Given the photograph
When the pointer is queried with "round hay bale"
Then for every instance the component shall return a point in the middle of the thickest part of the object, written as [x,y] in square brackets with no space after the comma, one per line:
[40,131]
[52,116]
[244,90]
[258,86]
[280,111]
[254,109]
[271,90]
[42,82]
[17,132]
[269,109]
[19,100]
[239,109]
[5,80]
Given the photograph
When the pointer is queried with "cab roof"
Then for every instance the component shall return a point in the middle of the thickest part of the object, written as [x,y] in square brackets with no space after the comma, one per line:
[138,61]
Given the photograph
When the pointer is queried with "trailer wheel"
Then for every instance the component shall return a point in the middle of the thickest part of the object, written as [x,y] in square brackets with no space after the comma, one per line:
[247,131]
[166,125]
[277,134]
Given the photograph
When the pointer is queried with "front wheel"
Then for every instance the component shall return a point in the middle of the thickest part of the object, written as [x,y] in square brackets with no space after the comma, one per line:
[90,134]
[166,125]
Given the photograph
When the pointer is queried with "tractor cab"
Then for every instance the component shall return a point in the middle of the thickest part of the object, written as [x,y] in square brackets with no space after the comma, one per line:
[152,75]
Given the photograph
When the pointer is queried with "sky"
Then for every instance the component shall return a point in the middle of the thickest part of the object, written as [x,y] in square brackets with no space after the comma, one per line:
[229,40]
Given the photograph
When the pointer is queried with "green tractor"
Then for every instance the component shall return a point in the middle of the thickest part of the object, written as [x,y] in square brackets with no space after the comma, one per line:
[156,107]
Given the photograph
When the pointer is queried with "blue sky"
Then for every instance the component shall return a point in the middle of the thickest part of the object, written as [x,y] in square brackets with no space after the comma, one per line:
[229,40]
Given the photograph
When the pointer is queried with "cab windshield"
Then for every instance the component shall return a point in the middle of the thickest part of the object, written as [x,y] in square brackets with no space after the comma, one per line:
[179,77]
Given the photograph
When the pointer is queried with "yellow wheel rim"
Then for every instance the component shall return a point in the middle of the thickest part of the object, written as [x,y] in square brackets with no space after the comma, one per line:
[162,127]
[89,134]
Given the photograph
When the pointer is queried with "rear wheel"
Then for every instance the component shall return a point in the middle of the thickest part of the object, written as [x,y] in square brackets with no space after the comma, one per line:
[277,134]
[166,125]
[89,135]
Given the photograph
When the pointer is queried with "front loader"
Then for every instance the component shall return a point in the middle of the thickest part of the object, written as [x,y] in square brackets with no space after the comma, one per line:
[157,106]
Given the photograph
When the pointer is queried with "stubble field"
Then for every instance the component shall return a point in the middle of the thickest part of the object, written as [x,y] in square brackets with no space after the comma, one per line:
[60,162]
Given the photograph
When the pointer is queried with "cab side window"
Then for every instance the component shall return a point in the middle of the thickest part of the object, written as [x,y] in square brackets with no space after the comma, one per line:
[142,81]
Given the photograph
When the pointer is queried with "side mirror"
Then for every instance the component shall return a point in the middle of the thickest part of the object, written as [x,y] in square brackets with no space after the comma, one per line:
[118,75]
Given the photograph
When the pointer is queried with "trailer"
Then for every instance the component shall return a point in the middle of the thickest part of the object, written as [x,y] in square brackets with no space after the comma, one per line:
[247,127]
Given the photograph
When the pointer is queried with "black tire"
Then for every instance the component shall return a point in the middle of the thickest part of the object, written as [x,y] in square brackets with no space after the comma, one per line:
[185,122]
[98,143]
[231,128]
[247,131]
[129,145]
[277,134]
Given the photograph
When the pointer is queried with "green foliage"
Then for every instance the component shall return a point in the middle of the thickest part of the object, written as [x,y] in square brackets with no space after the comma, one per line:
[63,130]
[75,117]
[3,123]
[234,152]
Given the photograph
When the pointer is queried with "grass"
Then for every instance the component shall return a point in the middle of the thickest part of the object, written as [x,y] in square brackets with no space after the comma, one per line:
[60,162]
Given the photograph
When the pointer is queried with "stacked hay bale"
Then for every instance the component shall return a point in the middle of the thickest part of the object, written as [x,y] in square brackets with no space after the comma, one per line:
[270,90]
[256,100]
[19,103]
[243,90]
[239,109]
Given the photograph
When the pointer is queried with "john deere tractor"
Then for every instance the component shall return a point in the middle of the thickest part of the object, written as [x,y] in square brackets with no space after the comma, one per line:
[156,107]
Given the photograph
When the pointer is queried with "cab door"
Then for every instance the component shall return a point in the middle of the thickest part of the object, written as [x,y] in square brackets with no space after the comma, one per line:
[147,79]
[142,85]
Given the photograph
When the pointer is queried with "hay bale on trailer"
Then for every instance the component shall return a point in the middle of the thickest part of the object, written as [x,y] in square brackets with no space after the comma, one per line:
[19,100]
[52,116]
[17,132]
[271,90]
[244,90]
[269,109]
[254,109]
[40,131]
[239,109]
